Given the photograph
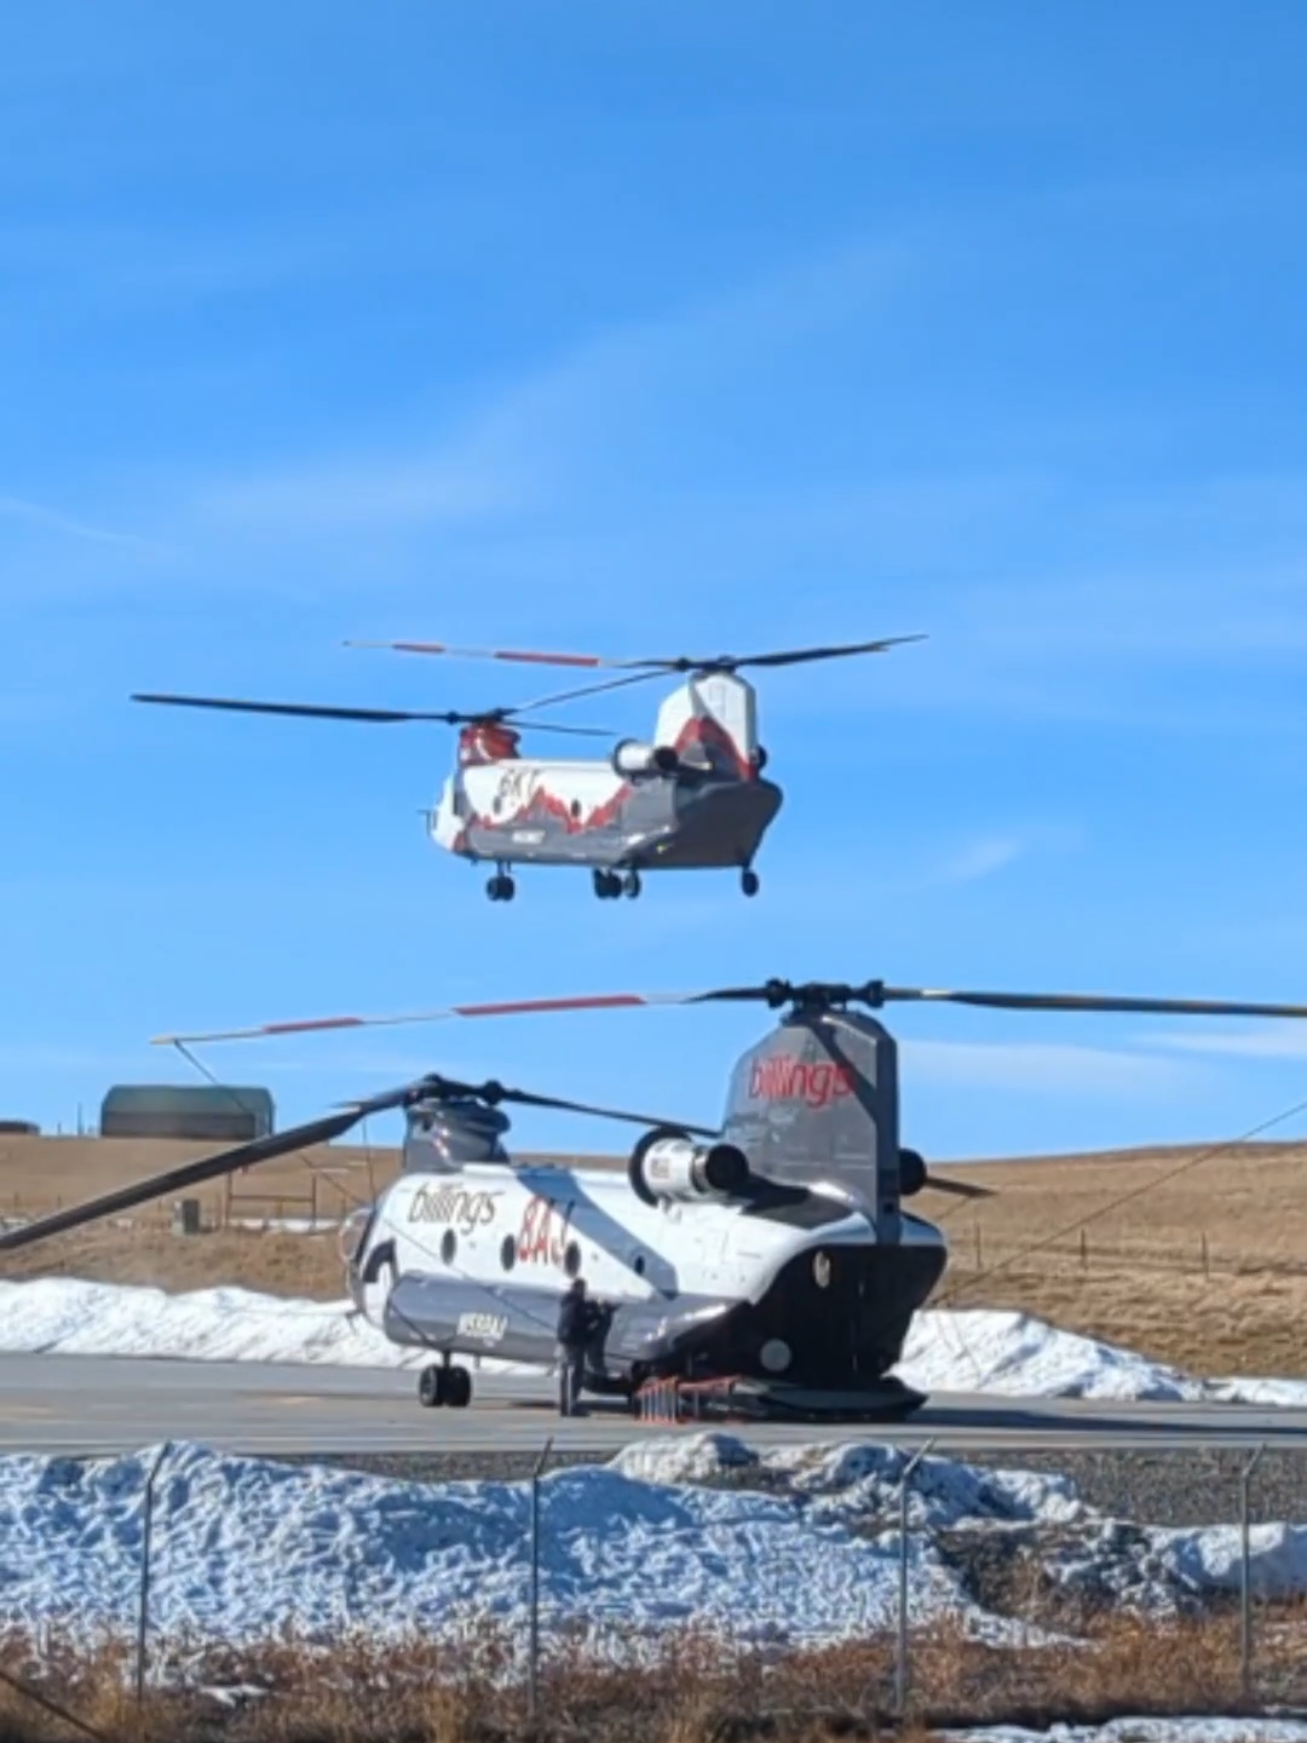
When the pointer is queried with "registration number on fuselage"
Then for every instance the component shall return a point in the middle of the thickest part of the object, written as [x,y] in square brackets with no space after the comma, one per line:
[486,1328]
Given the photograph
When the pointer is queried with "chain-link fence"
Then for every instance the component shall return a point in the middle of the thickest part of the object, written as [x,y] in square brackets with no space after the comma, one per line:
[698,1581]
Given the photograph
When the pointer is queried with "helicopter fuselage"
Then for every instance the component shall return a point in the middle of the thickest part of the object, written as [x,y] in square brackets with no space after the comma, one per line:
[790,1286]
[525,811]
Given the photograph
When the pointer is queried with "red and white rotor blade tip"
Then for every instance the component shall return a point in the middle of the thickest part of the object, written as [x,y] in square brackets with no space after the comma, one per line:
[505,1008]
[517,656]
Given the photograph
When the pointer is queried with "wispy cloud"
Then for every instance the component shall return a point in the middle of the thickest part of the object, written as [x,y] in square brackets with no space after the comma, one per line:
[36,514]
[987,854]
[1044,1068]
[992,852]
[1278,1041]
[538,441]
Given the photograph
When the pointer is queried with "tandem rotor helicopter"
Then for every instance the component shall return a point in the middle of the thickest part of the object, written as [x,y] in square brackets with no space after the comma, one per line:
[692,797]
[774,1256]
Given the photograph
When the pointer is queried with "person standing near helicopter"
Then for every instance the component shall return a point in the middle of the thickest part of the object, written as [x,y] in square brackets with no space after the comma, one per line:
[582,1327]
[575,1329]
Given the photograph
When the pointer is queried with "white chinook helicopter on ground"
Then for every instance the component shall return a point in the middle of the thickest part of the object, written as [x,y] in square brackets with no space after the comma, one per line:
[775,1255]
[692,797]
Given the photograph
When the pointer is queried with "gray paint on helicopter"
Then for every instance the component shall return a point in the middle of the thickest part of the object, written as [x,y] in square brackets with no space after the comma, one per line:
[662,822]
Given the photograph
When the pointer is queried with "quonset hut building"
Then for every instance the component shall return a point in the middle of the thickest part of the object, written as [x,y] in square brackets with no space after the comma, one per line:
[207,1113]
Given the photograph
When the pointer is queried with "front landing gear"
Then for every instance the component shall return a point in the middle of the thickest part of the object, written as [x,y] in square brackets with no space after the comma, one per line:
[750,882]
[444,1385]
[501,887]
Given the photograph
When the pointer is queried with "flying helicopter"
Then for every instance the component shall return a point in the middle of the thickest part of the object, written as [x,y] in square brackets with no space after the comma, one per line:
[691,797]
[775,1255]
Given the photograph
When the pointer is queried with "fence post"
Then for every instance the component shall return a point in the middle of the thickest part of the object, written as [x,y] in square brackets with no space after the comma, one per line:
[1245,1575]
[533,1665]
[147,1536]
[901,1655]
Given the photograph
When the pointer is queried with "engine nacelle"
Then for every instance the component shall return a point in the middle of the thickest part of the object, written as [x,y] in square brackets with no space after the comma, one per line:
[633,757]
[667,1164]
[912,1173]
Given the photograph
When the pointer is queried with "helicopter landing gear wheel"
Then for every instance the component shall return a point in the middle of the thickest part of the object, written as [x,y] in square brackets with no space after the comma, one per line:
[501,888]
[750,882]
[631,885]
[443,1385]
[607,885]
[432,1387]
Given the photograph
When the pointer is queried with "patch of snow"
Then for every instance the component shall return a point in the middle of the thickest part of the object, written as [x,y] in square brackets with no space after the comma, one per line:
[785,1554]
[65,1316]
[245,1549]
[1011,1354]
[984,1350]
[1291,1394]
[675,1458]
[287,1225]
[1190,1730]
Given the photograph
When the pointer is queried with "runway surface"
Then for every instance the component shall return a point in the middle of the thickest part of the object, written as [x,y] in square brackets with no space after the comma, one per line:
[83,1405]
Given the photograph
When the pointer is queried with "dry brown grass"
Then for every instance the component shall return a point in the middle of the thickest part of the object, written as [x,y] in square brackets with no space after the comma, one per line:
[1207,1269]
[696,1690]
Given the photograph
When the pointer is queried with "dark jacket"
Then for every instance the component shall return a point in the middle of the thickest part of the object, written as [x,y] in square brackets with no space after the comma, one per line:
[574,1323]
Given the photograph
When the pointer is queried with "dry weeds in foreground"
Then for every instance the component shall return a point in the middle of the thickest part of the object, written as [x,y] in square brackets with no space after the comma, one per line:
[696,1692]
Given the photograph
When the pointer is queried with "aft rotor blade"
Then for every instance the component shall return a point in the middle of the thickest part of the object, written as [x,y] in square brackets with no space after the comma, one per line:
[517,656]
[676,663]
[1089,1002]
[179,1179]
[802,656]
[302,710]
[510,1008]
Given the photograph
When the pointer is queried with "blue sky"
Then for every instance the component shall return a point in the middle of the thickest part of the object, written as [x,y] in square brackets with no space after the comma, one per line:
[651,329]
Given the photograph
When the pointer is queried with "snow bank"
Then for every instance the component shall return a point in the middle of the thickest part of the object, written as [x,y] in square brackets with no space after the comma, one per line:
[977,1351]
[64,1316]
[794,1546]
[246,1548]
[1088,1555]
[986,1351]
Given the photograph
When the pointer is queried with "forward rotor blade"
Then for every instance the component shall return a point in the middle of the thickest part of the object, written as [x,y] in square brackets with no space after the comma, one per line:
[957,1188]
[178,1179]
[1089,1002]
[303,710]
[558,726]
[495,1093]
[512,1008]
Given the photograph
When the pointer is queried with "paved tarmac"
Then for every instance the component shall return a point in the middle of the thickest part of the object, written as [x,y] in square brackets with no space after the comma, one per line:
[83,1405]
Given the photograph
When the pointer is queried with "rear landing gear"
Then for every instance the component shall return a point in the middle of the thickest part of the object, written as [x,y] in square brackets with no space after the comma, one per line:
[631,884]
[750,882]
[446,1385]
[608,886]
[501,887]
